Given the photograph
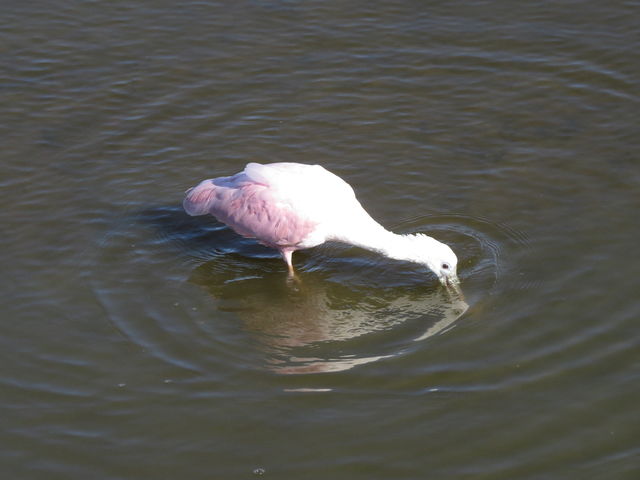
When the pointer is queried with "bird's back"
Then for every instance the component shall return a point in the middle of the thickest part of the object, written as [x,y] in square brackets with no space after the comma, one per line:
[311,189]
[283,205]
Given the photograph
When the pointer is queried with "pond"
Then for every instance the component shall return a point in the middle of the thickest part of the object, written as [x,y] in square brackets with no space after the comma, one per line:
[139,342]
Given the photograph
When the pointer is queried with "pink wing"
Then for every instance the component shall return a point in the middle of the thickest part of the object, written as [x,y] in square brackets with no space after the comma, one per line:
[251,208]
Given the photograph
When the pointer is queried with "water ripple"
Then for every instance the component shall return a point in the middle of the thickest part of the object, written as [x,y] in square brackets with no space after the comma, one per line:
[350,308]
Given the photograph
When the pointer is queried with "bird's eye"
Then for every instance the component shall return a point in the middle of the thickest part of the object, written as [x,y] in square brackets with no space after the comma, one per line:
[445,266]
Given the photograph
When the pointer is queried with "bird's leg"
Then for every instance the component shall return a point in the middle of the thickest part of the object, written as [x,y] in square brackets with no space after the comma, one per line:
[286,254]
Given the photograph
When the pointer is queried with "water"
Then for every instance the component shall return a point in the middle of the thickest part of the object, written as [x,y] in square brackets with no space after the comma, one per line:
[140,343]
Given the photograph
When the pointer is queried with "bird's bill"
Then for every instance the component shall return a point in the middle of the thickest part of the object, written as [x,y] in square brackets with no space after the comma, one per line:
[454,291]
[450,280]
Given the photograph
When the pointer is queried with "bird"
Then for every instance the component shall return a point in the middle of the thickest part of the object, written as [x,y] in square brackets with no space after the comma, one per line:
[293,206]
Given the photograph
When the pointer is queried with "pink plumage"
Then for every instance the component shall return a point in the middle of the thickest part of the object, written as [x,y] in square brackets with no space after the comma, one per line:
[254,205]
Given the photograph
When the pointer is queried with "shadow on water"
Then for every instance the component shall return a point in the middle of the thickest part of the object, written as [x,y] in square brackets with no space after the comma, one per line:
[345,308]
[314,324]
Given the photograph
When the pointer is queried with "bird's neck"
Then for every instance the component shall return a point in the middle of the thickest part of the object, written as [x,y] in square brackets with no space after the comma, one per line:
[370,235]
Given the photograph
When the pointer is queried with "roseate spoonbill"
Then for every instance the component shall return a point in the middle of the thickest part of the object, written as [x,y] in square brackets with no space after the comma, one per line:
[291,206]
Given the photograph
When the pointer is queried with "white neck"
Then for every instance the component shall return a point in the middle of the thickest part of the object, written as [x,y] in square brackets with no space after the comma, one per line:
[370,235]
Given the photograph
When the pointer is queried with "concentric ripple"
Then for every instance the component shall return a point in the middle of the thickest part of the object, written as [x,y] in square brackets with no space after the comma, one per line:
[347,307]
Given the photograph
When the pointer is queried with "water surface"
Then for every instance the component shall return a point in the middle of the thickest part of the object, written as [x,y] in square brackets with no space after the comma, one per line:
[141,343]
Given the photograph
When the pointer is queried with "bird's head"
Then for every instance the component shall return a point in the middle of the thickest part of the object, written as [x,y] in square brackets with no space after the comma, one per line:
[436,256]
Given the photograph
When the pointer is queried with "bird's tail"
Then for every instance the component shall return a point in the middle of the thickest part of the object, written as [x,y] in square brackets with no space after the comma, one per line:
[198,199]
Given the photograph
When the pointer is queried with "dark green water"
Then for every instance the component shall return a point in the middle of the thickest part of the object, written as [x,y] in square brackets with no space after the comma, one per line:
[140,343]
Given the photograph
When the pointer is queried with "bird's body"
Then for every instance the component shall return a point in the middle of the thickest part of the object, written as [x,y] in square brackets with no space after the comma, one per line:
[292,206]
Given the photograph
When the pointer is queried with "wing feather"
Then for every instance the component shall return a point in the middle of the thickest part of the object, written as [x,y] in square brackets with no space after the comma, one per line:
[251,208]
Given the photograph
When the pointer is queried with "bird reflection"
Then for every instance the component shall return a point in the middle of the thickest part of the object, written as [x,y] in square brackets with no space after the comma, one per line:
[319,323]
